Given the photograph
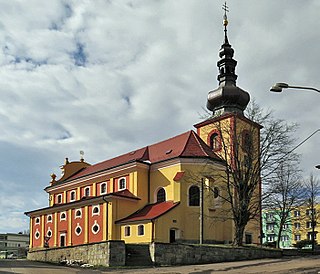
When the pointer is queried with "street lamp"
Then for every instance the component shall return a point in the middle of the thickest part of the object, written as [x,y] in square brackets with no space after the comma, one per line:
[277,87]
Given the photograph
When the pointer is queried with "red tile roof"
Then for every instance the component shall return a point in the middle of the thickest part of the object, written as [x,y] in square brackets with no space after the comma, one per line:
[178,176]
[187,144]
[149,212]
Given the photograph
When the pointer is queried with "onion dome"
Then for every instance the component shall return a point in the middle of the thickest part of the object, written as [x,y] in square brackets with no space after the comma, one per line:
[227,97]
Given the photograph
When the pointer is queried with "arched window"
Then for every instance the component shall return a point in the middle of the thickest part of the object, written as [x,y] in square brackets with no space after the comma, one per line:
[78,213]
[161,195]
[122,183]
[95,210]
[87,192]
[194,196]
[49,218]
[63,216]
[59,198]
[215,142]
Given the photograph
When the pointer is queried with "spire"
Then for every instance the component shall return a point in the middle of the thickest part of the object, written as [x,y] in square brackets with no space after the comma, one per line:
[227,97]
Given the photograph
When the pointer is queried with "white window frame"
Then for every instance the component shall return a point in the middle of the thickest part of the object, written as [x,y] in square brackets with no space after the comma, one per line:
[59,198]
[103,192]
[95,213]
[49,221]
[37,221]
[138,231]
[75,230]
[297,237]
[49,230]
[125,183]
[65,214]
[95,224]
[75,213]
[37,233]
[75,195]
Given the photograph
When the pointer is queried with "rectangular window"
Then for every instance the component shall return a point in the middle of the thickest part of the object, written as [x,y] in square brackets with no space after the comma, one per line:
[127,231]
[140,230]
[270,227]
[285,226]
[59,198]
[297,225]
[296,213]
[271,238]
[297,237]
[72,195]
[309,224]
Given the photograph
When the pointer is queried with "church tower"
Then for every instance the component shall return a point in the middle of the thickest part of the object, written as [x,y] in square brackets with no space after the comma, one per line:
[235,138]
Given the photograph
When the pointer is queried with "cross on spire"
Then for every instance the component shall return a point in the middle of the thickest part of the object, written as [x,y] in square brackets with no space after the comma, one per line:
[225,20]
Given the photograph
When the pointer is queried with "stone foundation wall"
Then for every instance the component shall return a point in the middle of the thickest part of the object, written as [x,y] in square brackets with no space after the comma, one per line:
[183,254]
[111,253]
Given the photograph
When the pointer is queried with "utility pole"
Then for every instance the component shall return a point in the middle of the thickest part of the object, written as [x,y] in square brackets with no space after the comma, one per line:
[201,213]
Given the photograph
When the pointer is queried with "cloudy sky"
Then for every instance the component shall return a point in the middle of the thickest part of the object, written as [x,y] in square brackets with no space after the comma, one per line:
[107,77]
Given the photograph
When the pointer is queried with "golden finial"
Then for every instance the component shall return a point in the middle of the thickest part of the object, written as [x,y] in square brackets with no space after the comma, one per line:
[225,19]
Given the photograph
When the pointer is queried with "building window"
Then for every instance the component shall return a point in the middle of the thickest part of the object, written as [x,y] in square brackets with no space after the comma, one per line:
[37,234]
[62,239]
[95,210]
[127,231]
[59,198]
[49,233]
[285,226]
[103,188]
[284,238]
[215,142]
[161,195]
[78,213]
[122,183]
[270,227]
[297,225]
[78,229]
[297,237]
[309,224]
[296,213]
[309,212]
[194,196]
[63,216]
[271,238]
[95,228]
[37,221]
[140,230]
[49,218]
[72,195]
[310,236]
[87,191]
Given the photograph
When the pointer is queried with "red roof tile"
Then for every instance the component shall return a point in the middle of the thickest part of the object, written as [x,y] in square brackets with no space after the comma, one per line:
[188,144]
[150,212]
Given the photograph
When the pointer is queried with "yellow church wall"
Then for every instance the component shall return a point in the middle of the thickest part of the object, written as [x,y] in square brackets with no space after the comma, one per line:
[134,237]
[162,177]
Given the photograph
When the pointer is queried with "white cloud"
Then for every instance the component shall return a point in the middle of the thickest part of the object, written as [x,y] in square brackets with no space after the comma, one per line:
[107,77]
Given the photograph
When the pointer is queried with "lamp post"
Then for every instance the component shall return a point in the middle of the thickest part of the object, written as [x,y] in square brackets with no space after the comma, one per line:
[277,87]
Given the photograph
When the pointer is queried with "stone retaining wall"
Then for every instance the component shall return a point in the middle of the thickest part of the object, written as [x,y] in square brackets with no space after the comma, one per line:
[182,254]
[111,253]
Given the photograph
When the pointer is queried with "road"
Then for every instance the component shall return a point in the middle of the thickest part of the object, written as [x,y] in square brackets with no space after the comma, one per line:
[306,265]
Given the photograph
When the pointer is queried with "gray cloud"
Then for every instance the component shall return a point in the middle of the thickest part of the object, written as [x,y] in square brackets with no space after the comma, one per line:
[112,76]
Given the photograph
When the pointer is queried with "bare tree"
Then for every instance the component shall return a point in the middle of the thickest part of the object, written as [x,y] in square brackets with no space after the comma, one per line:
[253,149]
[312,192]
[284,196]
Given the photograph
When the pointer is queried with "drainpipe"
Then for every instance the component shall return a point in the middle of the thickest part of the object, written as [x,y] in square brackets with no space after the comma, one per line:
[107,221]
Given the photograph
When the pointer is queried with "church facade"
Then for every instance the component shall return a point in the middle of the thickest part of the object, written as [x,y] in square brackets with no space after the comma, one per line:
[171,191]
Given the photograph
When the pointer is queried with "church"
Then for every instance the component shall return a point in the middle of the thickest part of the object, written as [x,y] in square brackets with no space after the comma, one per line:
[171,191]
